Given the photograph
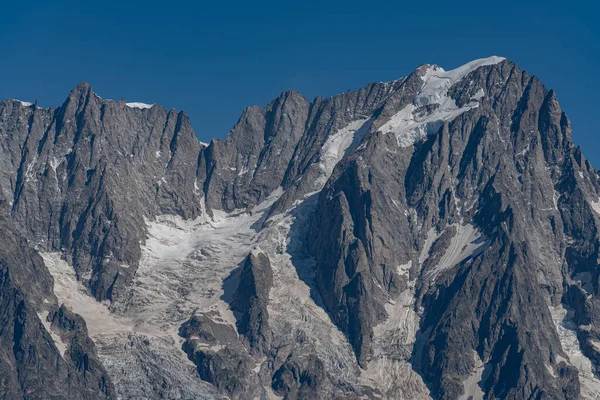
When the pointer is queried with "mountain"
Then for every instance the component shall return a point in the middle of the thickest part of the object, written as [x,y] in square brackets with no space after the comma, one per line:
[436,236]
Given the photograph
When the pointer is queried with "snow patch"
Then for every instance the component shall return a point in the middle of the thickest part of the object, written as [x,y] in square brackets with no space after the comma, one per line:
[472,384]
[586,281]
[243,171]
[122,341]
[479,95]
[181,271]
[595,206]
[432,105]
[138,105]
[74,296]
[404,268]
[337,146]
[293,312]
[58,342]
[24,103]
[566,329]
[390,368]
[54,163]
[431,237]
[467,242]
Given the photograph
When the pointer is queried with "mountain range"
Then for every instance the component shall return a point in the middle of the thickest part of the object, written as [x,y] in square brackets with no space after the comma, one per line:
[436,236]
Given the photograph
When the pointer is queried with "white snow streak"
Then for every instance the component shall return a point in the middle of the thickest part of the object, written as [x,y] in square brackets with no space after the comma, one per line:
[138,105]
[595,206]
[29,173]
[337,145]
[55,162]
[24,103]
[58,342]
[431,237]
[467,242]
[413,123]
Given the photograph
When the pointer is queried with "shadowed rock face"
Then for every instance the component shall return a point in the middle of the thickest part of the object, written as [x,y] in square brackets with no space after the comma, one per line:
[300,378]
[250,301]
[452,251]
[219,357]
[31,363]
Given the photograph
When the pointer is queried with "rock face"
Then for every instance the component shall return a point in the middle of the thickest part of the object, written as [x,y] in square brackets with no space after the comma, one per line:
[250,301]
[301,378]
[45,351]
[480,207]
[431,237]
[219,357]
[101,167]
[244,169]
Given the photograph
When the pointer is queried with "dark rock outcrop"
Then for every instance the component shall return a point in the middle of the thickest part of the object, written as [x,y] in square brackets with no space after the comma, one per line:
[301,377]
[250,301]
[220,357]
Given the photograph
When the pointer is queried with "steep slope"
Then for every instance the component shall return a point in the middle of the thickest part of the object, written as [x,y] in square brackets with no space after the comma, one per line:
[470,206]
[82,177]
[434,236]
[45,351]
[243,170]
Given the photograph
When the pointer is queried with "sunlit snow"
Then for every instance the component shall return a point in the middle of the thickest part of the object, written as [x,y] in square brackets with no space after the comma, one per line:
[185,268]
[390,367]
[337,145]
[467,242]
[58,342]
[412,124]
[595,206]
[473,384]
[138,105]
[24,103]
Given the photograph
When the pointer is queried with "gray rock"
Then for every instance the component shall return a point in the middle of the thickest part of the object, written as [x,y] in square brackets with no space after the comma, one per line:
[301,378]
[482,213]
[497,166]
[220,357]
[82,156]
[250,301]
[244,169]
[31,364]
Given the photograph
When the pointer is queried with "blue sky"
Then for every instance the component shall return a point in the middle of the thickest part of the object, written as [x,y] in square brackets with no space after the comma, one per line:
[212,60]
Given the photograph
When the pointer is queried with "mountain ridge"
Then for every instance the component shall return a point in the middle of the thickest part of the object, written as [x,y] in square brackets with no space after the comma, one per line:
[432,236]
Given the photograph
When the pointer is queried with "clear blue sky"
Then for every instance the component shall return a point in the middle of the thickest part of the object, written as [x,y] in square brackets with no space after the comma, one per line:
[212,60]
